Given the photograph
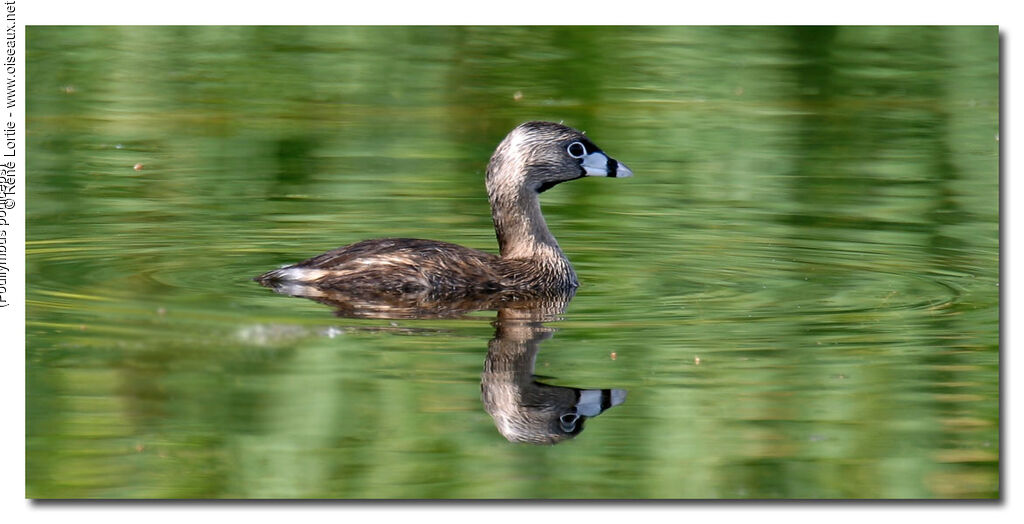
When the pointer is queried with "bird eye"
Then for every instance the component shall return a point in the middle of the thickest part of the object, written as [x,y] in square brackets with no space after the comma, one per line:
[568,422]
[576,150]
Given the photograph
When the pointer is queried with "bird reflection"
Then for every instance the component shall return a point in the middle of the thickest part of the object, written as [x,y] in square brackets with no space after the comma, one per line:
[523,409]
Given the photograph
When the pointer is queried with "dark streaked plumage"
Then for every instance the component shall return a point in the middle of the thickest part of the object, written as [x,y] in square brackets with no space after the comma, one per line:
[532,158]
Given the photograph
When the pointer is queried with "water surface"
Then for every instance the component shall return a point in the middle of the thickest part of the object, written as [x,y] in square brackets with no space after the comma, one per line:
[798,290]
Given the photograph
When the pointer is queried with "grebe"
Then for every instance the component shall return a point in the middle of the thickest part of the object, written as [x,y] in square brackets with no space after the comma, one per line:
[532,158]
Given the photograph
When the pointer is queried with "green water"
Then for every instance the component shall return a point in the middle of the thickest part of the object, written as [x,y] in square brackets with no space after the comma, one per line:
[799,289]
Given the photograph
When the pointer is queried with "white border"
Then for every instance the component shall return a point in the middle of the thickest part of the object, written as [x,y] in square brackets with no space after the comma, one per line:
[65,12]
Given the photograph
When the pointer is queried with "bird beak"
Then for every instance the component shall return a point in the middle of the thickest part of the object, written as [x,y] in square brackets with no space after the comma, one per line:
[598,164]
[594,401]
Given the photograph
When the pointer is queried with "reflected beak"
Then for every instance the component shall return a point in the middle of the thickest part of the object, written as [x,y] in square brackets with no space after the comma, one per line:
[598,164]
[593,401]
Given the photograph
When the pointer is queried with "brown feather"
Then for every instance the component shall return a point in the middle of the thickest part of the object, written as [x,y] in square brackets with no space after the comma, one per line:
[531,158]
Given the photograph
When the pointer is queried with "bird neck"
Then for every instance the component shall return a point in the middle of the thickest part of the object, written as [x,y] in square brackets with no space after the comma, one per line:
[519,224]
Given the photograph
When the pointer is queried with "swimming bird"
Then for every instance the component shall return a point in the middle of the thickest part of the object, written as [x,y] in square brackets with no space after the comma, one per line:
[532,158]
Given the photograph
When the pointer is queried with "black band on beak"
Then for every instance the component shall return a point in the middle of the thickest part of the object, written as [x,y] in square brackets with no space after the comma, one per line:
[613,167]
